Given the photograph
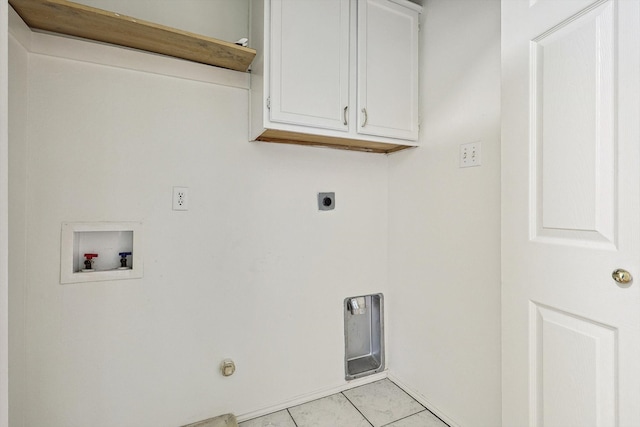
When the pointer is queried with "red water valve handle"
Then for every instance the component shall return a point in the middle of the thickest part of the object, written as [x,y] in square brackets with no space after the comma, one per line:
[90,256]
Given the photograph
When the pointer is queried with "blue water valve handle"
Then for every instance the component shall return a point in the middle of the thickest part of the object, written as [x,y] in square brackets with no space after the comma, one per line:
[123,259]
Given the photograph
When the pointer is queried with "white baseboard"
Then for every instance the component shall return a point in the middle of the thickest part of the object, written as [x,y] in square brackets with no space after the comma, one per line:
[299,400]
[423,401]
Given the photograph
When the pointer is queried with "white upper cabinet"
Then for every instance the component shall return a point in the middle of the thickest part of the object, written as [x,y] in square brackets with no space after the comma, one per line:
[387,69]
[337,73]
[310,62]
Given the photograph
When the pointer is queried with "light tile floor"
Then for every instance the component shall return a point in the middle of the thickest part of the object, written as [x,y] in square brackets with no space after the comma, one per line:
[379,404]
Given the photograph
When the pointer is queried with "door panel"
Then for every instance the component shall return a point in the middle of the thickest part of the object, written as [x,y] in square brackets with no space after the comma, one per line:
[387,70]
[573,138]
[571,212]
[310,62]
[574,368]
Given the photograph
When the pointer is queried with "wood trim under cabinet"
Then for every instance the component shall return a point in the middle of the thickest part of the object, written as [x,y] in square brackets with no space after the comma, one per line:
[65,17]
[297,138]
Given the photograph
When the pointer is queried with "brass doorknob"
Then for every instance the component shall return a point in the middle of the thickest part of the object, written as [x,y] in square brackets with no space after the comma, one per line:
[622,276]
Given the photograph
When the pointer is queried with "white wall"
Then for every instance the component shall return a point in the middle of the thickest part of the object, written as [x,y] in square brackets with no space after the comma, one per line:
[252,271]
[18,90]
[444,244]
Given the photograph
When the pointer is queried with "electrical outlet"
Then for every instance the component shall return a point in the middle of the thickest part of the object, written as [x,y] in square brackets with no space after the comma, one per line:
[470,155]
[180,198]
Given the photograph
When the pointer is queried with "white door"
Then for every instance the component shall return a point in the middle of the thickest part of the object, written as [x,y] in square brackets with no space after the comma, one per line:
[571,212]
[310,63]
[387,69]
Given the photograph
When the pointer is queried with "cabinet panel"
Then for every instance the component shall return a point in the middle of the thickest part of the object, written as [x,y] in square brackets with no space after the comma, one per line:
[387,70]
[310,62]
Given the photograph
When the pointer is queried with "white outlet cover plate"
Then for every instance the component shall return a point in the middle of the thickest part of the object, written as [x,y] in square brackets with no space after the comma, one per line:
[470,155]
[180,198]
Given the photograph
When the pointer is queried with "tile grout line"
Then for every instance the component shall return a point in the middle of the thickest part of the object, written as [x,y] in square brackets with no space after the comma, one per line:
[356,408]
[292,419]
[408,395]
[404,418]
[425,408]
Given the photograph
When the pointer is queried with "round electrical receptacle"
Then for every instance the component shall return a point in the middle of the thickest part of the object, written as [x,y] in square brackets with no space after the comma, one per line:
[326,201]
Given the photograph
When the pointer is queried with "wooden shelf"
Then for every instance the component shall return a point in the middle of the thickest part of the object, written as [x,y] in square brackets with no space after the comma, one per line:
[65,17]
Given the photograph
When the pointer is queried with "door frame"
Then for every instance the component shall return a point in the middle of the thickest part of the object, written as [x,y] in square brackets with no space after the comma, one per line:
[4,210]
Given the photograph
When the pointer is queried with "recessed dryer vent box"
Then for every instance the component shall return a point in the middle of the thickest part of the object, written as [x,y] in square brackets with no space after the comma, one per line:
[114,251]
[363,335]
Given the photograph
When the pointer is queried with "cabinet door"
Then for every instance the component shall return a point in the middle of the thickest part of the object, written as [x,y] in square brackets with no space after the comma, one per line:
[387,69]
[309,83]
